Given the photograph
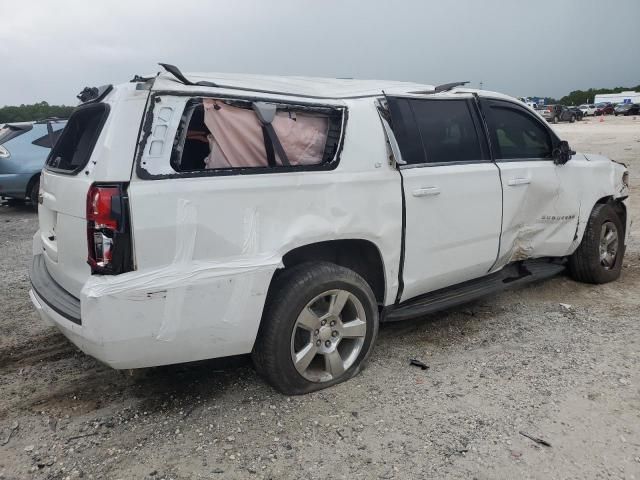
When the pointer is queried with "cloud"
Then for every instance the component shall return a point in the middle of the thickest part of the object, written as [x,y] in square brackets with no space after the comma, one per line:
[49,50]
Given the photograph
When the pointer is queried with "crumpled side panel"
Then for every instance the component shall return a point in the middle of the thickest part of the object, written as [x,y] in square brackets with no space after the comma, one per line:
[159,303]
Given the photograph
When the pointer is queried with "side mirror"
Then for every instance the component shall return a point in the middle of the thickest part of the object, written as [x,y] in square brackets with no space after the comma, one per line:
[562,153]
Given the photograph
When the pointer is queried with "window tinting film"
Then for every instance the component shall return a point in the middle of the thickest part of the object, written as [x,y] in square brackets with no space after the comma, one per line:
[518,135]
[75,145]
[405,131]
[447,130]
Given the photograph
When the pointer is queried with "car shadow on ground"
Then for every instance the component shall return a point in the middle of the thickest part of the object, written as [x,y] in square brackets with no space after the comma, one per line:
[17,207]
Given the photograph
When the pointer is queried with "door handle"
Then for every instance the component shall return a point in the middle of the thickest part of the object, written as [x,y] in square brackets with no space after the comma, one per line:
[426,192]
[518,181]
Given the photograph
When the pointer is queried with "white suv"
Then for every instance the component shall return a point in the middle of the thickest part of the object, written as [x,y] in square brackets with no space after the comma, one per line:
[588,109]
[200,216]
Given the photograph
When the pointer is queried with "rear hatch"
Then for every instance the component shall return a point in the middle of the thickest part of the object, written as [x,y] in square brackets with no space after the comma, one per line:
[96,146]
[13,130]
[7,133]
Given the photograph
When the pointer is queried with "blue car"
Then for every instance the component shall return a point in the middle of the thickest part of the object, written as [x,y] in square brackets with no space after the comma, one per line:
[24,147]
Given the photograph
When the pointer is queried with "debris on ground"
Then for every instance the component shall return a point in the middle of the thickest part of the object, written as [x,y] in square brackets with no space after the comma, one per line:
[9,433]
[535,439]
[418,363]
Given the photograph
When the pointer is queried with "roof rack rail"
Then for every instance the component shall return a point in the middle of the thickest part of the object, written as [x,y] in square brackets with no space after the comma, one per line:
[445,87]
[449,86]
[175,71]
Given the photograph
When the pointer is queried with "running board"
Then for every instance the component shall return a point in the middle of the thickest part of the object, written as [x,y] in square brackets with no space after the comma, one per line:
[513,275]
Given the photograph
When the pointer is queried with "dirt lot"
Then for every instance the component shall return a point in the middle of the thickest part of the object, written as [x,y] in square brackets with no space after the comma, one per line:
[520,361]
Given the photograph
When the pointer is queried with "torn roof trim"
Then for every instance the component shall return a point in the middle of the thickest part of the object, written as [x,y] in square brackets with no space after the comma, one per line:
[307,87]
[318,88]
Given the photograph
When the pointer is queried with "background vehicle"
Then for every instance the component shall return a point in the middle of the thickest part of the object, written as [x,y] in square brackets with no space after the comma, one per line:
[24,147]
[285,217]
[604,109]
[557,113]
[588,109]
[579,113]
[627,109]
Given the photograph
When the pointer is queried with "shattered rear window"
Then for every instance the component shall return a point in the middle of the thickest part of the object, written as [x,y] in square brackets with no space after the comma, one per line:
[218,134]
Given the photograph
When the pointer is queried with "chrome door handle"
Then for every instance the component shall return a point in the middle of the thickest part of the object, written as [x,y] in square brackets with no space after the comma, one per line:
[518,181]
[426,192]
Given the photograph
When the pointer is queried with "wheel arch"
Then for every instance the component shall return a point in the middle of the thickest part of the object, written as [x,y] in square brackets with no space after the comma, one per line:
[361,256]
[617,204]
[34,178]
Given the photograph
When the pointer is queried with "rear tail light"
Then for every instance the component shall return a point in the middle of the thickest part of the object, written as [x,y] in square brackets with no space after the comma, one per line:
[4,153]
[108,229]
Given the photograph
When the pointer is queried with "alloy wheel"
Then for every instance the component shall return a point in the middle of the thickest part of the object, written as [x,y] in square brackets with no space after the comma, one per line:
[328,335]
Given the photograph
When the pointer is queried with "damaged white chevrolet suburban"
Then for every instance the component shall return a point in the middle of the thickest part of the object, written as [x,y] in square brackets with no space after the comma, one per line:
[199,216]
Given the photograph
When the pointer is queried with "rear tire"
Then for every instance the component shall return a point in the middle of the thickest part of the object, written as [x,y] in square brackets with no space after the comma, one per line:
[14,202]
[34,191]
[294,351]
[598,259]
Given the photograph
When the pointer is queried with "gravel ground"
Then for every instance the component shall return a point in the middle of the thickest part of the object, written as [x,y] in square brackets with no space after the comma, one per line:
[519,361]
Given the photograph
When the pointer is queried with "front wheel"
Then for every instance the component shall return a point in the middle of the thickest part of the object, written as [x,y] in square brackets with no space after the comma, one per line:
[555,119]
[572,119]
[318,328]
[598,259]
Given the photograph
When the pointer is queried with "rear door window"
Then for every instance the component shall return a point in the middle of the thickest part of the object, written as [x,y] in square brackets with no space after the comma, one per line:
[440,131]
[75,145]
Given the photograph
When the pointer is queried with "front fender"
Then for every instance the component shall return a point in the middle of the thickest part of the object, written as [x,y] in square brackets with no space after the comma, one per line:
[599,181]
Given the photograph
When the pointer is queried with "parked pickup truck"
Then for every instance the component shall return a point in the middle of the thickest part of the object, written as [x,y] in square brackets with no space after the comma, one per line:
[185,217]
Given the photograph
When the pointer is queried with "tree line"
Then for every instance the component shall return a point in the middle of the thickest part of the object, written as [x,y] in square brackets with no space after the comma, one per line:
[36,111]
[578,97]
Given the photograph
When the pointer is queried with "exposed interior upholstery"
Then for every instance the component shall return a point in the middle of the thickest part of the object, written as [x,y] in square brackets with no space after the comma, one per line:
[221,135]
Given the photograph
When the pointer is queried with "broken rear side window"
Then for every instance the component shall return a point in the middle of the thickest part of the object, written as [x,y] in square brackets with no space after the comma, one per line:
[75,145]
[217,134]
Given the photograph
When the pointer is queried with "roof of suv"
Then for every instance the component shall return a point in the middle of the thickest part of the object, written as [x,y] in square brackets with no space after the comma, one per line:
[318,88]
[297,86]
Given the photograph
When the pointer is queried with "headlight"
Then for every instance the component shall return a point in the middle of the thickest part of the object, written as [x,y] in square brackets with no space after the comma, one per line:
[625,178]
[4,153]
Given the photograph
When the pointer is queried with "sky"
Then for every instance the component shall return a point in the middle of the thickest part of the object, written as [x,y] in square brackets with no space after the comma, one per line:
[50,50]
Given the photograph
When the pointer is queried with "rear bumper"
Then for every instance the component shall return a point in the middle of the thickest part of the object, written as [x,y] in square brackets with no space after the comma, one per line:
[52,294]
[150,325]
